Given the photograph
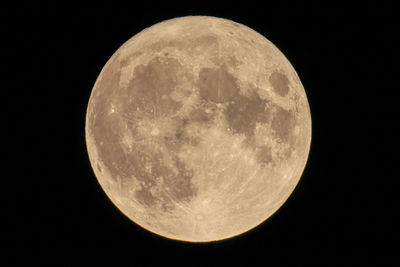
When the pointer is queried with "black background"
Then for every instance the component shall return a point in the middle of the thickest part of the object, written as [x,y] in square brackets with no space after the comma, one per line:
[342,211]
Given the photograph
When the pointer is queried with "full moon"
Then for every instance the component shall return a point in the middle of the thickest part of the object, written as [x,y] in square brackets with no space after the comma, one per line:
[198,128]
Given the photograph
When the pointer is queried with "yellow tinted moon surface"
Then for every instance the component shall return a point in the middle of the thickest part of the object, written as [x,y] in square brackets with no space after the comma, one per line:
[198,128]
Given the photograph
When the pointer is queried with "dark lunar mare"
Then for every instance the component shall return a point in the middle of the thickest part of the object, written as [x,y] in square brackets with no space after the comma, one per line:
[147,97]
[218,86]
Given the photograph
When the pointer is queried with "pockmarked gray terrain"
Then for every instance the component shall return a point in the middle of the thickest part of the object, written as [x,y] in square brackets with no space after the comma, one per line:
[198,128]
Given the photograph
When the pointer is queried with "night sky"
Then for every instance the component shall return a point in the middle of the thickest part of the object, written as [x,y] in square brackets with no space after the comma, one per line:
[342,210]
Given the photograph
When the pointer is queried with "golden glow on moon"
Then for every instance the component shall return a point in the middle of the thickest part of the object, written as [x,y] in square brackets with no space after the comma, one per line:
[198,128]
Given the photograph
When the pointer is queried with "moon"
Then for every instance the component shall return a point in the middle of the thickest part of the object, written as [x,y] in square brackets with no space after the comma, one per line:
[198,128]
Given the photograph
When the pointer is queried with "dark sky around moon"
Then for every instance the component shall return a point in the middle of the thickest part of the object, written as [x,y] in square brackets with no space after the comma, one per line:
[344,205]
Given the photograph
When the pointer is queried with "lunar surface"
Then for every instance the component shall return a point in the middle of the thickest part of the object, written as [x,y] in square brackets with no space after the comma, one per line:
[198,128]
